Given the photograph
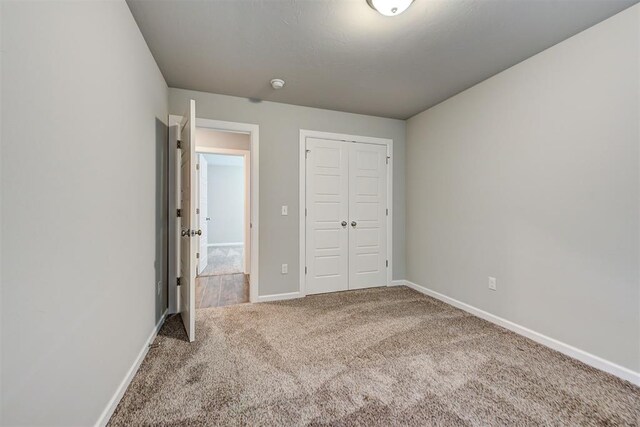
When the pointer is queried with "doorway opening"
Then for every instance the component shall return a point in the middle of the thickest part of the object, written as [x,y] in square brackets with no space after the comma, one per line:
[223,211]
[190,137]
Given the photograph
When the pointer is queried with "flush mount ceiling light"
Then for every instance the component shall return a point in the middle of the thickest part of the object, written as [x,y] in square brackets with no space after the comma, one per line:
[390,7]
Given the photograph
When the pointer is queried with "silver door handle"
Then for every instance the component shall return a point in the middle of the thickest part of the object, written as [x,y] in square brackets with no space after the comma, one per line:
[353,223]
[344,223]
[194,232]
[208,219]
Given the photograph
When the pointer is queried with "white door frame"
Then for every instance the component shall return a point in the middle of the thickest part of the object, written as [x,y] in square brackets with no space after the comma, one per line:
[253,131]
[173,268]
[304,134]
[246,155]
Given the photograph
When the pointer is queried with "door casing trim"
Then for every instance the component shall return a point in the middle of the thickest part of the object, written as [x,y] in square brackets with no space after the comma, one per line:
[302,167]
[254,158]
[254,131]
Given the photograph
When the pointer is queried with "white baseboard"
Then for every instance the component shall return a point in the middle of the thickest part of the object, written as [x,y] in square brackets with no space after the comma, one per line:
[566,349]
[398,283]
[279,297]
[221,245]
[113,403]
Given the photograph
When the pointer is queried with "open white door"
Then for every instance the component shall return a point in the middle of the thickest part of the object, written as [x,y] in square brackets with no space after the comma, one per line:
[189,242]
[203,215]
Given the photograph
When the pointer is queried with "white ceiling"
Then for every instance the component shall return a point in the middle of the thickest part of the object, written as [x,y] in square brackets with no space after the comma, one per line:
[342,55]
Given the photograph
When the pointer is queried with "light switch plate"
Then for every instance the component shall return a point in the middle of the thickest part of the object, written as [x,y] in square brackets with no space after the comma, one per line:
[492,283]
[285,268]
[285,210]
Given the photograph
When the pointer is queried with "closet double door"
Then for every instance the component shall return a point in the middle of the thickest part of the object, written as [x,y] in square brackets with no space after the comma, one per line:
[346,215]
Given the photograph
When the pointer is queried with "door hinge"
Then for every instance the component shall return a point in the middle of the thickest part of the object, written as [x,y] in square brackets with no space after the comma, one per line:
[197,210]
[179,212]
[305,270]
[197,166]
[178,281]
[387,211]
[197,254]
[388,157]
[305,211]
[387,263]
[179,144]
[306,154]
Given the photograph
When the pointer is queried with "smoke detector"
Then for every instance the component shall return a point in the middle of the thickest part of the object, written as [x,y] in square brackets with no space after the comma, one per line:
[277,84]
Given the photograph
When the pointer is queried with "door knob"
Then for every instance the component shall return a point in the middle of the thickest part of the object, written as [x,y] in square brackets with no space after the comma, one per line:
[194,232]
[208,219]
[344,223]
[184,232]
[353,223]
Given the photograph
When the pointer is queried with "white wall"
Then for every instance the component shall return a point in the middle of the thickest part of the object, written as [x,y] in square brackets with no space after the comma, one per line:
[532,177]
[83,239]
[280,126]
[226,203]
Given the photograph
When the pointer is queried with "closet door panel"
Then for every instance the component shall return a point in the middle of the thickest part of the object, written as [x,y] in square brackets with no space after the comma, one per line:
[367,215]
[327,193]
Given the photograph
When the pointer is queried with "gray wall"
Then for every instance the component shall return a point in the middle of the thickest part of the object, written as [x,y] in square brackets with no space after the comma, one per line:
[226,194]
[83,239]
[280,126]
[533,177]
[1,198]
[217,139]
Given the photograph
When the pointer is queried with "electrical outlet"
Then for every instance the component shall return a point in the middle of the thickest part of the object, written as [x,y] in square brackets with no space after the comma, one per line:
[285,210]
[285,268]
[492,283]
[159,287]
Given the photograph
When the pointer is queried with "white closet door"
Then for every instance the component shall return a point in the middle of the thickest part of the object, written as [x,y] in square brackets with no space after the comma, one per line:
[367,215]
[327,204]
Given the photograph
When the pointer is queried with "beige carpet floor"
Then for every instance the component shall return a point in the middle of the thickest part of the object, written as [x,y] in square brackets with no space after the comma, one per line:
[377,357]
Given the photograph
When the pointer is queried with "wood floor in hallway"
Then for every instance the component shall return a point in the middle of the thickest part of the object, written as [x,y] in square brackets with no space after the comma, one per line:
[222,290]
[224,260]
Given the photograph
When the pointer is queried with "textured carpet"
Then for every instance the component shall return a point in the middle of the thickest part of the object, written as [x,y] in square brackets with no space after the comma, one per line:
[223,260]
[377,357]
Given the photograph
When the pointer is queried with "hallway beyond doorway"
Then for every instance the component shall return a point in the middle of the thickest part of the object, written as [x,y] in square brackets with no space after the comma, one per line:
[222,290]
[222,282]
[223,260]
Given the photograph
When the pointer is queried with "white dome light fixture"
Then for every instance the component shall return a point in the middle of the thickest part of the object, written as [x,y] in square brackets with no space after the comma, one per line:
[390,7]
[277,84]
